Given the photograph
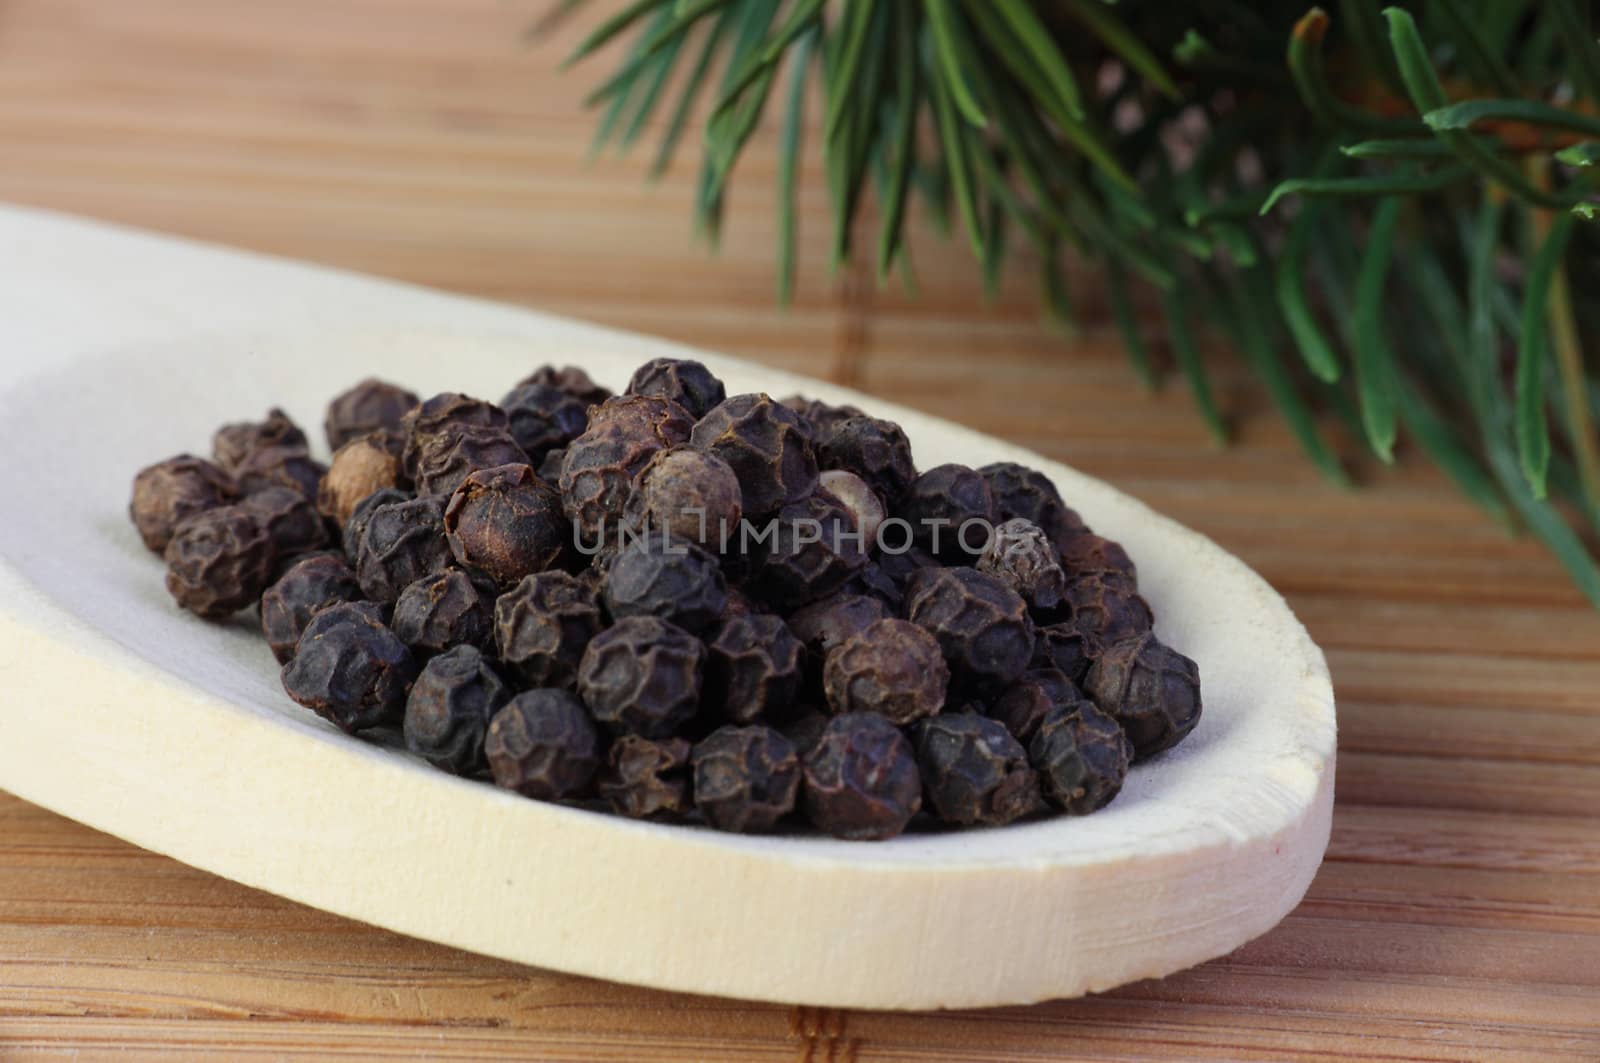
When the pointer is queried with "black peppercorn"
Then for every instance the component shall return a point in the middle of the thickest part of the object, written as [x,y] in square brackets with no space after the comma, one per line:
[219,561]
[874,581]
[284,466]
[542,626]
[875,450]
[1152,690]
[981,625]
[745,778]
[402,542]
[766,447]
[549,467]
[169,492]
[688,383]
[827,623]
[805,730]
[654,574]
[861,779]
[444,414]
[690,493]
[350,669]
[449,709]
[309,586]
[1082,758]
[544,745]
[892,668]
[571,379]
[598,469]
[1019,491]
[442,611]
[866,510]
[900,565]
[233,443]
[370,405]
[642,676]
[1023,705]
[951,512]
[544,418]
[356,526]
[1063,647]
[1022,557]
[753,669]
[645,779]
[817,418]
[1108,608]
[1087,554]
[810,550]
[506,523]
[448,457]
[361,466]
[974,771]
[290,520]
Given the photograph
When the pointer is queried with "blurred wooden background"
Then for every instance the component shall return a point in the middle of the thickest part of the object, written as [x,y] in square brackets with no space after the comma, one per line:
[1458,914]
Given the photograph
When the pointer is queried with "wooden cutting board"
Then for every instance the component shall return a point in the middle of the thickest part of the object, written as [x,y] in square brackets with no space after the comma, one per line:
[1458,915]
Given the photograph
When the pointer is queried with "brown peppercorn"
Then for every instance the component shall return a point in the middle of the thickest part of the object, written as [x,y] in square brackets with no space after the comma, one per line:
[690,493]
[1108,608]
[290,520]
[648,418]
[219,561]
[642,676]
[875,450]
[571,379]
[598,470]
[542,626]
[1088,554]
[861,779]
[369,406]
[817,418]
[974,772]
[951,512]
[444,414]
[654,574]
[745,778]
[449,457]
[1063,647]
[645,779]
[439,612]
[1082,758]
[867,512]
[544,745]
[506,523]
[892,668]
[350,669]
[1152,690]
[356,526]
[688,383]
[361,466]
[753,669]
[402,542]
[284,466]
[1019,491]
[449,709]
[811,550]
[1023,705]
[309,586]
[1022,557]
[233,443]
[981,625]
[169,492]
[766,447]
[544,418]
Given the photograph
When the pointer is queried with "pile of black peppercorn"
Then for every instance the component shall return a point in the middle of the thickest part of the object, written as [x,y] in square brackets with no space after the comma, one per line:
[681,605]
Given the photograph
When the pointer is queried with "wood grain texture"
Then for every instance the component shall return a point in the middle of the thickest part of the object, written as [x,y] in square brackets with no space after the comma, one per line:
[1458,914]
